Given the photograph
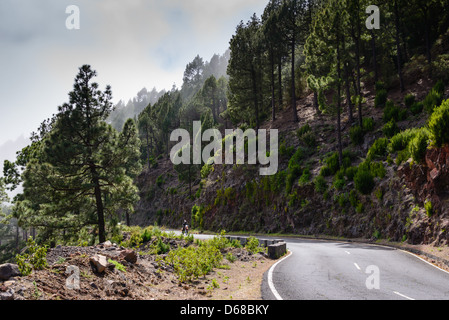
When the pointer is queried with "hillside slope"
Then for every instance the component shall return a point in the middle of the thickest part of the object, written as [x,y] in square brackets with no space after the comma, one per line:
[236,198]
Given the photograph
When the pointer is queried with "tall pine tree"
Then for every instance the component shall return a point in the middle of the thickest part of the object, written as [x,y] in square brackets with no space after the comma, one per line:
[84,170]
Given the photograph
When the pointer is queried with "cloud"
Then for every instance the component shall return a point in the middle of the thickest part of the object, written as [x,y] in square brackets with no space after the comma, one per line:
[132,44]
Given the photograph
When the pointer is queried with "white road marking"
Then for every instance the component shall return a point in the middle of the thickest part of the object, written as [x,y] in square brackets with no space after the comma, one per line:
[357,266]
[270,278]
[402,295]
[348,252]
[416,256]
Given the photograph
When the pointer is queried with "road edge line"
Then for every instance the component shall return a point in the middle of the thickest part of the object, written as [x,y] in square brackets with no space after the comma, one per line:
[423,260]
[270,277]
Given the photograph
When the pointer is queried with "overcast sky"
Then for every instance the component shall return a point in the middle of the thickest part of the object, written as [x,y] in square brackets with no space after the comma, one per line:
[131,44]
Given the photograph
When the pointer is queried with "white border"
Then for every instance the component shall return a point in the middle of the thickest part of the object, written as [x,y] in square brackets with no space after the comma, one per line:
[270,277]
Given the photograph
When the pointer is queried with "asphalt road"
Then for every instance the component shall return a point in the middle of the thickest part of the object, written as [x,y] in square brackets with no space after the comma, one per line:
[334,270]
[322,270]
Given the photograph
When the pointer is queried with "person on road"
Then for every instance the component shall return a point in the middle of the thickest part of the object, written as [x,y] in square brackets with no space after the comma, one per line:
[185,227]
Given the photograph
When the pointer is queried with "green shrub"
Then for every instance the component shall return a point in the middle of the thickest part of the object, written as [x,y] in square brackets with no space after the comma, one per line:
[380,85]
[320,184]
[378,149]
[440,68]
[117,265]
[135,239]
[417,108]
[296,158]
[346,162]
[392,111]
[286,152]
[161,247]
[230,257]
[432,100]
[381,98]
[206,170]
[356,133]
[294,169]
[418,145]
[351,172]
[353,198]
[193,262]
[339,180]
[160,181]
[368,124]
[292,175]
[409,99]
[146,236]
[401,140]
[403,155]
[342,199]
[325,171]
[439,86]
[333,163]
[429,208]
[252,245]
[305,177]
[309,139]
[303,130]
[390,129]
[438,125]
[34,258]
[364,180]
[277,181]
[197,214]
[378,169]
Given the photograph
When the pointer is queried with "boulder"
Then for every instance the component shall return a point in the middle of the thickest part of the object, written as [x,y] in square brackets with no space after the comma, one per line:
[107,244]
[7,296]
[99,262]
[128,255]
[8,270]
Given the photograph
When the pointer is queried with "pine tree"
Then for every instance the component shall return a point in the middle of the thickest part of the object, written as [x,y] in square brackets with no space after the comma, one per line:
[276,49]
[83,173]
[294,29]
[244,70]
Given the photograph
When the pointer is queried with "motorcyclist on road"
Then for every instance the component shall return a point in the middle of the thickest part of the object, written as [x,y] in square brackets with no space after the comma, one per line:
[185,227]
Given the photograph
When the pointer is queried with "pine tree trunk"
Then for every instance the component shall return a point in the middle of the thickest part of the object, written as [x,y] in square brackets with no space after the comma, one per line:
[99,204]
[348,88]
[427,38]
[273,102]
[128,223]
[340,149]
[148,148]
[295,112]
[356,38]
[280,82]
[190,182]
[398,46]
[315,102]
[373,47]
[256,104]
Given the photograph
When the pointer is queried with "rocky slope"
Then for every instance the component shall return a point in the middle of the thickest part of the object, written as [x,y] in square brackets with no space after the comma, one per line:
[236,198]
[138,276]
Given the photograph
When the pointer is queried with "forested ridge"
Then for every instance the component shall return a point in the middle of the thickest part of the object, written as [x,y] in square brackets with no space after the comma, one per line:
[360,113]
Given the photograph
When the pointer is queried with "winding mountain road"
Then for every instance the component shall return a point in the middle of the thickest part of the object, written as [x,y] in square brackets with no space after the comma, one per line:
[326,270]
[335,270]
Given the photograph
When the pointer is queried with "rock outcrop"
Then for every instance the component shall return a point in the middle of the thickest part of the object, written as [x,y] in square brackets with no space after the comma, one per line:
[429,181]
[8,271]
